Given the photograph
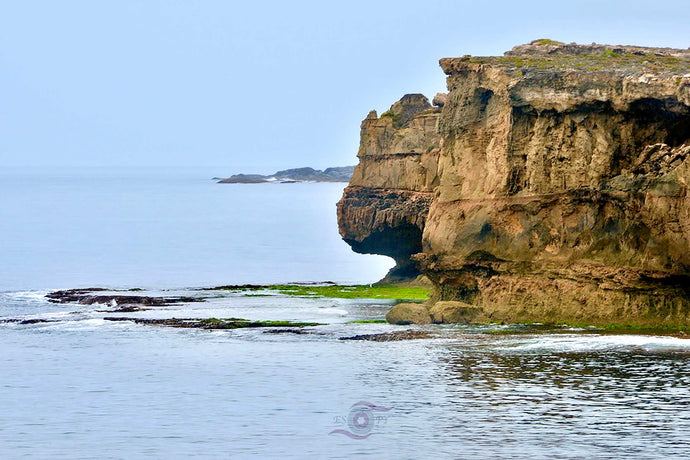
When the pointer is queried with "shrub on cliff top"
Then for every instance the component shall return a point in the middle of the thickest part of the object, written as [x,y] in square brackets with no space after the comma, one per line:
[546,41]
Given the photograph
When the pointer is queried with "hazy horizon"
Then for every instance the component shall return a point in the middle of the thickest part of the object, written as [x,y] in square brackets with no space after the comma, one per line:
[256,87]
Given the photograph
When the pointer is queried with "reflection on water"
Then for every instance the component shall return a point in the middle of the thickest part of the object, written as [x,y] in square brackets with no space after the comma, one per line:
[83,387]
[623,400]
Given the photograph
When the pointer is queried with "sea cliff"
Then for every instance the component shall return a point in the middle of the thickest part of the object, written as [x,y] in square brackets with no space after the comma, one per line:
[549,184]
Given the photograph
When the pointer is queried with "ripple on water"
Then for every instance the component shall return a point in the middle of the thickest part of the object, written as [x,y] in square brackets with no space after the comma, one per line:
[139,390]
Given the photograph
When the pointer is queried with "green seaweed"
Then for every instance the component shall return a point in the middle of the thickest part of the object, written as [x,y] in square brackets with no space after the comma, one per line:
[389,291]
[353,291]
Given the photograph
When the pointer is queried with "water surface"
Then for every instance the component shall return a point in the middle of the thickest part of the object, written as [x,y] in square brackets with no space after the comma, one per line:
[83,387]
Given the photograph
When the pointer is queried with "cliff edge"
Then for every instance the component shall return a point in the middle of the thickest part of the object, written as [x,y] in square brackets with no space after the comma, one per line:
[550,184]
[384,208]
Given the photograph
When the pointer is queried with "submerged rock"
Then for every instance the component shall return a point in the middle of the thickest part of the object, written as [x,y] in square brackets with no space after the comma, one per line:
[391,336]
[211,323]
[124,309]
[551,187]
[86,297]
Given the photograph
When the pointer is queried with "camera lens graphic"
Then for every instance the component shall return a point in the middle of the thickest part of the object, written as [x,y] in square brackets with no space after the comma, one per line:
[360,420]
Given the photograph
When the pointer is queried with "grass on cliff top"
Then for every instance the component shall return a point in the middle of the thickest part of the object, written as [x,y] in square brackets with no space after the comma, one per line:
[361,291]
[397,119]
[546,41]
[604,59]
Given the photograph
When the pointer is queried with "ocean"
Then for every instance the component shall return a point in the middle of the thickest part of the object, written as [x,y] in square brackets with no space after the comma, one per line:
[76,385]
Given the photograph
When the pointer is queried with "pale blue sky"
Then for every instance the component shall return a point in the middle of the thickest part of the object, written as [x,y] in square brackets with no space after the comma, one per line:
[256,85]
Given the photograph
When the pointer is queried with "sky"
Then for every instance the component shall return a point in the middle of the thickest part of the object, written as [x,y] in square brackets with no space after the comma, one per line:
[256,86]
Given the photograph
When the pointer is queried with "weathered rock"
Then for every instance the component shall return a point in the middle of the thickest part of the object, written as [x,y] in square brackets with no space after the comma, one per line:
[384,208]
[27,321]
[86,297]
[559,190]
[210,323]
[450,311]
[408,313]
[390,336]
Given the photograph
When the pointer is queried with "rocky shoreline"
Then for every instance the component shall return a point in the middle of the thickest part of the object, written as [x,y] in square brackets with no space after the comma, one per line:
[548,185]
[409,309]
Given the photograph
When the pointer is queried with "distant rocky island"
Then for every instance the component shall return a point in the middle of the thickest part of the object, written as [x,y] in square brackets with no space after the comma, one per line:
[335,174]
[548,185]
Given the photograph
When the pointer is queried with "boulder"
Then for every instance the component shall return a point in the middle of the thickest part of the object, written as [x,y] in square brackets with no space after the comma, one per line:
[408,313]
[453,311]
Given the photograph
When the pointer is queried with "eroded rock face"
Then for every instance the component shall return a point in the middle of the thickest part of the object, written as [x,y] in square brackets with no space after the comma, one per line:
[384,209]
[408,313]
[560,191]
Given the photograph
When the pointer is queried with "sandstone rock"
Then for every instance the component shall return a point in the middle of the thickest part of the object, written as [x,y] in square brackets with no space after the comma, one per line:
[384,208]
[555,188]
[408,313]
[406,109]
[450,311]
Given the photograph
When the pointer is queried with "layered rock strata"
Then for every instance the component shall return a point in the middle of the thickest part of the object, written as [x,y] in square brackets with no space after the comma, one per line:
[557,186]
[384,208]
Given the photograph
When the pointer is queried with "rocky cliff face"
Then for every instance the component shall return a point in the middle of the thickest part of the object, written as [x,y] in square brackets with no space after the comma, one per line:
[557,185]
[384,209]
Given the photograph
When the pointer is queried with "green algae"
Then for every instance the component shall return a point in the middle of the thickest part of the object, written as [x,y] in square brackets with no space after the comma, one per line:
[353,291]
[338,291]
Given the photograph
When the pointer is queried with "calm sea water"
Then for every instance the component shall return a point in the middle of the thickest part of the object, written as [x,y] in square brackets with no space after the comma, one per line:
[169,229]
[84,387]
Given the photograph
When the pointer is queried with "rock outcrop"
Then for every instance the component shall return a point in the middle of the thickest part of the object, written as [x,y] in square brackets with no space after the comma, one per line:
[334,174]
[556,184]
[384,208]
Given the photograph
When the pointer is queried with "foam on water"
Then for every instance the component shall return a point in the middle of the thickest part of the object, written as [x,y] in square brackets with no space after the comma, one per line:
[597,342]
